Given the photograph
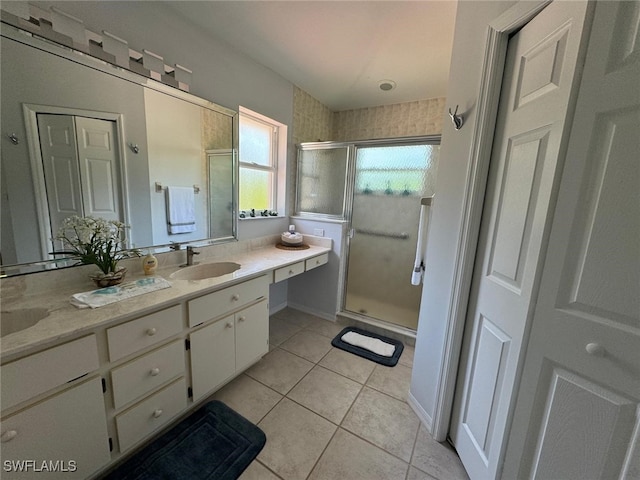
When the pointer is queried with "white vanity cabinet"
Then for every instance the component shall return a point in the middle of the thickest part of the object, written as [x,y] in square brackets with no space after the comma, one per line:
[154,380]
[60,426]
[227,346]
[62,437]
[232,339]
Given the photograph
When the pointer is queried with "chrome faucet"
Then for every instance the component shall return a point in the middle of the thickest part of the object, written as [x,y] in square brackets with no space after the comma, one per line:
[190,253]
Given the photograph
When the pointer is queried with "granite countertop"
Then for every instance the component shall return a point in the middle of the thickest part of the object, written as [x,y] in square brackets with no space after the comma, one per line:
[67,321]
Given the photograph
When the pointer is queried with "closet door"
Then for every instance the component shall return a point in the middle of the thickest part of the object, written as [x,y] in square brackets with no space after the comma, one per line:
[60,162]
[98,164]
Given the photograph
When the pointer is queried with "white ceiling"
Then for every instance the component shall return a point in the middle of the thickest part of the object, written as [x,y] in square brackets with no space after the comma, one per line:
[339,51]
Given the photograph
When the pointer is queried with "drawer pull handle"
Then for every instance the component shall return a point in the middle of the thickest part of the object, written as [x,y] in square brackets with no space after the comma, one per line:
[9,435]
[157,413]
[242,319]
[290,272]
[155,371]
[595,349]
[151,331]
[317,262]
[228,325]
[235,297]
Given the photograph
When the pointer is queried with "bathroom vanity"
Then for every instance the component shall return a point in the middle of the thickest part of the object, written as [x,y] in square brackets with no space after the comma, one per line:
[83,387]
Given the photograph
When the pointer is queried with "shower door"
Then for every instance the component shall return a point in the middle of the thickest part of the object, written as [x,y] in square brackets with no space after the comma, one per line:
[390,180]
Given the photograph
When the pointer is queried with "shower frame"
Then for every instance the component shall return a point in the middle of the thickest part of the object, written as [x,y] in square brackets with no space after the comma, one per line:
[347,216]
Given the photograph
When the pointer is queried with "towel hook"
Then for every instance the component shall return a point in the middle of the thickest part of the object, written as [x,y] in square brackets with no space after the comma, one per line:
[458,120]
[14,139]
[134,147]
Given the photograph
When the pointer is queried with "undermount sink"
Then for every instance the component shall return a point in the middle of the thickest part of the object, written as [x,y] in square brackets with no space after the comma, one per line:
[12,321]
[205,270]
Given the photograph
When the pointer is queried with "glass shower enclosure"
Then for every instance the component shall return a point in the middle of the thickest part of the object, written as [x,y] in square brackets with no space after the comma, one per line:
[376,187]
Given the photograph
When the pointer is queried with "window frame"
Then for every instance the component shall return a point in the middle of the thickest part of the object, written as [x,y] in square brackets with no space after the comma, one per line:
[278,161]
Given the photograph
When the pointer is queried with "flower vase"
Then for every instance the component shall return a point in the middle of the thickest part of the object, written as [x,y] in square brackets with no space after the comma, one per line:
[109,279]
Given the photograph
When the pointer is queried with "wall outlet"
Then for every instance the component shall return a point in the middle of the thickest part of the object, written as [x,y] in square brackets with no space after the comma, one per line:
[318,232]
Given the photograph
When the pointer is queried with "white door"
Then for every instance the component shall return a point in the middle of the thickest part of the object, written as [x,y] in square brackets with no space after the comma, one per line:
[60,162]
[98,161]
[530,136]
[80,160]
[578,408]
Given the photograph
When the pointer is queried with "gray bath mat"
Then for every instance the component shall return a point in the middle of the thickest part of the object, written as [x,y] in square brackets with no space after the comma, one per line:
[366,353]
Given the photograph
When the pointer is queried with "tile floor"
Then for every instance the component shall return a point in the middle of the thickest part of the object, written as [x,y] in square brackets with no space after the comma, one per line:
[329,414]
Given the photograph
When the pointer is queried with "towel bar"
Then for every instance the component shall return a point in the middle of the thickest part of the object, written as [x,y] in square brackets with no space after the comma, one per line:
[160,188]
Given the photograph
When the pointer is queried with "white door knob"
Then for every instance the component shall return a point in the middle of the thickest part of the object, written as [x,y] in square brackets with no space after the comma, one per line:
[155,371]
[595,349]
[235,297]
[242,319]
[151,331]
[228,325]
[157,413]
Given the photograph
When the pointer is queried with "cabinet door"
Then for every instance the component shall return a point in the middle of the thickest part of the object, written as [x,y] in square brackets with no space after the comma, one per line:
[64,436]
[252,334]
[212,356]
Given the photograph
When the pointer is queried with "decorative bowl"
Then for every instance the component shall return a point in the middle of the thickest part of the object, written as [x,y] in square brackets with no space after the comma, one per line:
[291,239]
[109,279]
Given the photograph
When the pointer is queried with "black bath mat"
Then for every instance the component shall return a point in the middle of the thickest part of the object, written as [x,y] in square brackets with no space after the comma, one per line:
[368,354]
[213,443]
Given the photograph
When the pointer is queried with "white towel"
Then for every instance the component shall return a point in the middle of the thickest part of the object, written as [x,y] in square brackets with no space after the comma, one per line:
[418,264]
[181,216]
[107,295]
[374,345]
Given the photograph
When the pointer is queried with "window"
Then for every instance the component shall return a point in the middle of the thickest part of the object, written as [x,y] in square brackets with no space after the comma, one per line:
[262,164]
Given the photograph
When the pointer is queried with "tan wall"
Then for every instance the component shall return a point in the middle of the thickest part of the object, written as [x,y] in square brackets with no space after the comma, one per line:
[422,117]
[313,121]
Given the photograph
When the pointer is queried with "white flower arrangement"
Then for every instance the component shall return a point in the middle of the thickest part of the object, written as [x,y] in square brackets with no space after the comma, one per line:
[95,241]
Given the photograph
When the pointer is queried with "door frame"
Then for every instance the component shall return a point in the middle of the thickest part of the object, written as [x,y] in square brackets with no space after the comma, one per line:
[498,32]
[30,112]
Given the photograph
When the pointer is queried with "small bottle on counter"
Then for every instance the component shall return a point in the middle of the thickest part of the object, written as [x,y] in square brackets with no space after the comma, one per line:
[149,264]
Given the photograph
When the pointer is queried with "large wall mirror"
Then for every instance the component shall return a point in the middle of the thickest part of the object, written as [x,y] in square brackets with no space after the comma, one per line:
[81,137]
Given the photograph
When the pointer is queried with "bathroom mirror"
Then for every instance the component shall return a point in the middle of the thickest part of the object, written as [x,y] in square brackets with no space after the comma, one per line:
[83,137]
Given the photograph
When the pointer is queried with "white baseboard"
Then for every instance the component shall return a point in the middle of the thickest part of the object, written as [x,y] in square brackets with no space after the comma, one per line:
[424,417]
[317,313]
[276,308]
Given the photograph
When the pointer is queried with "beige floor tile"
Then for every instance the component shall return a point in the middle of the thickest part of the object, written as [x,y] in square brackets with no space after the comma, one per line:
[325,327]
[437,459]
[257,471]
[349,457]
[326,393]
[384,421]
[394,381]
[280,370]
[309,345]
[280,330]
[415,474]
[348,364]
[407,356]
[301,319]
[249,398]
[296,437]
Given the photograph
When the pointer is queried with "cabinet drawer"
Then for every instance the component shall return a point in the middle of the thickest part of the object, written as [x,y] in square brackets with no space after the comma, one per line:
[37,373]
[143,332]
[316,261]
[150,414]
[223,301]
[134,379]
[69,426]
[288,272]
